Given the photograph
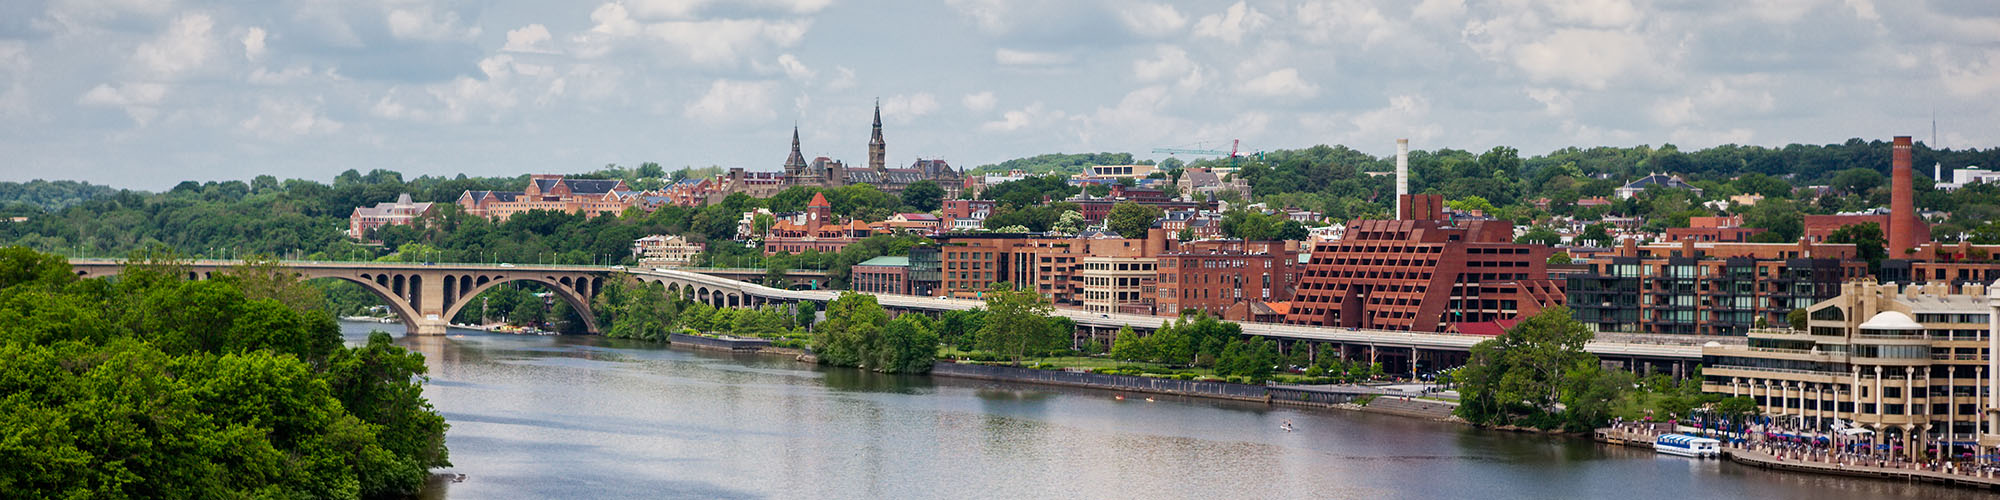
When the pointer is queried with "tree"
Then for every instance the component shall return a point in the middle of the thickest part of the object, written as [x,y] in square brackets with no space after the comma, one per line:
[961,329]
[1185,234]
[1868,243]
[1796,318]
[1595,234]
[1540,235]
[908,345]
[853,325]
[1559,258]
[1292,230]
[1016,322]
[808,313]
[924,196]
[1129,346]
[1131,220]
[1070,223]
[1528,370]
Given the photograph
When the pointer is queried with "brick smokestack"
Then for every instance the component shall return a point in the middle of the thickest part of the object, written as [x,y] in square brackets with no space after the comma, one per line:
[1903,221]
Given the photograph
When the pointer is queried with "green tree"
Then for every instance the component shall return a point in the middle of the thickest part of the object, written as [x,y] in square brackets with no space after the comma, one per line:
[924,196]
[1868,243]
[1527,370]
[853,325]
[1016,322]
[807,314]
[1540,235]
[1129,346]
[908,345]
[1131,220]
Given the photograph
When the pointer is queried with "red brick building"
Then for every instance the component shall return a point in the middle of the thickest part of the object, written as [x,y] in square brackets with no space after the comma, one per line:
[1225,277]
[1423,274]
[884,274]
[1727,229]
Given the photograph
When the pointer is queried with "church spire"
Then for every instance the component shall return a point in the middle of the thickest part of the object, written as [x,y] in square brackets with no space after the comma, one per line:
[796,164]
[877,149]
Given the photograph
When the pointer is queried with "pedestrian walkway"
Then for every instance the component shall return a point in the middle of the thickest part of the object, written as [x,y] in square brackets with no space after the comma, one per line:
[1804,462]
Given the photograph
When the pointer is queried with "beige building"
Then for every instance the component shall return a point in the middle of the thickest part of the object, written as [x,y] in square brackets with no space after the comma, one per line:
[1909,364]
[1119,284]
[661,250]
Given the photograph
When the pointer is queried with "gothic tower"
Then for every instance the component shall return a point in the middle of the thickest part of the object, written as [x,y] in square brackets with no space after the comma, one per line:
[795,165]
[877,150]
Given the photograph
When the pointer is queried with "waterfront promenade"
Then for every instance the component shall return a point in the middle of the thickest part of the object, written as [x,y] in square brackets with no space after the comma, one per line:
[1797,457]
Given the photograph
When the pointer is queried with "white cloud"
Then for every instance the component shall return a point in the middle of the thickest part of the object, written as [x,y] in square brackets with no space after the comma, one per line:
[184,47]
[1438,10]
[843,78]
[1145,17]
[729,101]
[714,42]
[979,102]
[1232,24]
[1281,83]
[1554,102]
[1588,58]
[1970,76]
[793,68]
[530,39]
[1034,115]
[1012,57]
[423,23]
[1674,112]
[683,9]
[277,120]
[903,109]
[140,101]
[1170,62]
[261,76]
[253,44]
[1595,13]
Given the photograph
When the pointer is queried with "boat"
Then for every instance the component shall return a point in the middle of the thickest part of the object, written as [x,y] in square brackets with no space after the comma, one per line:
[1687,446]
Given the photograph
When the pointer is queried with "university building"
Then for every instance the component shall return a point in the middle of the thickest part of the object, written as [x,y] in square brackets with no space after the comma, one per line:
[823,172]
[1911,364]
[401,212]
[591,197]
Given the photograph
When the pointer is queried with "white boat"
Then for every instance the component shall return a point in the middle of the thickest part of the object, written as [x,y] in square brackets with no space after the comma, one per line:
[1687,446]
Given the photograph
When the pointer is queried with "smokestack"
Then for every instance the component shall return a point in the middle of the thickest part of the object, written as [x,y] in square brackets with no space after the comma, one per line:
[1902,205]
[1402,175]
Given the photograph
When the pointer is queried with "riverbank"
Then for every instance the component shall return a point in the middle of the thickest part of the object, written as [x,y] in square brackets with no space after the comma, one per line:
[1643,436]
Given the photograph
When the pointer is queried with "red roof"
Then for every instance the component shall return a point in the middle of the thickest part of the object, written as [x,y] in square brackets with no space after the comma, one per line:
[819,200]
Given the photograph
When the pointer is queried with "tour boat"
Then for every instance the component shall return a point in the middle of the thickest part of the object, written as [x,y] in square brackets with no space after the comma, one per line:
[1687,446]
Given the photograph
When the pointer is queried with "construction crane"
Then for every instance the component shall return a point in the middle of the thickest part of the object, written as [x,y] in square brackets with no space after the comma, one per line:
[1233,152]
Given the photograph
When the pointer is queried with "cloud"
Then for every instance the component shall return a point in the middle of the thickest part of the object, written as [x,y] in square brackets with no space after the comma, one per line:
[1281,83]
[1587,58]
[279,120]
[184,47]
[793,68]
[1012,57]
[1231,24]
[713,42]
[903,109]
[683,9]
[1438,10]
[843,79]
[253,44]
[140,101]
[1034,115]
[730,102]
[1158,19]
[1169,62]
[980,102]
[423,23]
[530,39]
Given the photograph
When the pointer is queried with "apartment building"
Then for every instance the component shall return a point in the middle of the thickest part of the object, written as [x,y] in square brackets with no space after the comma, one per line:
[1691,288]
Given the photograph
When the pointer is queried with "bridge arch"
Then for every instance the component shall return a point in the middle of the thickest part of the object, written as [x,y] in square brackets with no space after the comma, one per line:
[563,287]
[404,309]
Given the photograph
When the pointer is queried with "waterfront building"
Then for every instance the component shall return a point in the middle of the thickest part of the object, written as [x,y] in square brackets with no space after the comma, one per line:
[402,212]
[590,197]
[816,229]
[1423,273]
[1910,363]
[1048,264]
[668,251]
[1119,284]
[1691,288]
[885,274]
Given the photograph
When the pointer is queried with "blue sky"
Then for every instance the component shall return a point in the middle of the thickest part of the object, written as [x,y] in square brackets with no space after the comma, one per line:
[145,93]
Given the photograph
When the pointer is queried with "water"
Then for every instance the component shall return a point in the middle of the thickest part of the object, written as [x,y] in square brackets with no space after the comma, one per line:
[588,417]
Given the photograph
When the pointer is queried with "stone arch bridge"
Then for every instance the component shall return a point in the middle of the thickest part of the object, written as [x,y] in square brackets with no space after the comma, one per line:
[425,296]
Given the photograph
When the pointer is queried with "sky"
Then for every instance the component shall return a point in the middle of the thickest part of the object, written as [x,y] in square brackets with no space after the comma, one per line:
[146,93]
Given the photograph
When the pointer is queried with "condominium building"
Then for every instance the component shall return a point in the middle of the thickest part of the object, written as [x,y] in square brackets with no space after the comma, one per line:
[1119,284]
[1910,364]
[1423,273]
[1692,288]
[1049,265]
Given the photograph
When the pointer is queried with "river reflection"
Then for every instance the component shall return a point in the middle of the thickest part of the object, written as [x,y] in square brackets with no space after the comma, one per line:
[588,417]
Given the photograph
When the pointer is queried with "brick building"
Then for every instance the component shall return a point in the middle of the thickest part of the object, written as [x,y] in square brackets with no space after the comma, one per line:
[1226,278]
[401,212]
[1727,229]
[591,197]
[1691,288]
[881,275]
[1422,273]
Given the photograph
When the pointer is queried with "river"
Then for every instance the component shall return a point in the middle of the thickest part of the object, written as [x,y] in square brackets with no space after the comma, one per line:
[590,417]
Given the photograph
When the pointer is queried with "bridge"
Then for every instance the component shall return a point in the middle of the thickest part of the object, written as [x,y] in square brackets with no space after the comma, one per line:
[427,296]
